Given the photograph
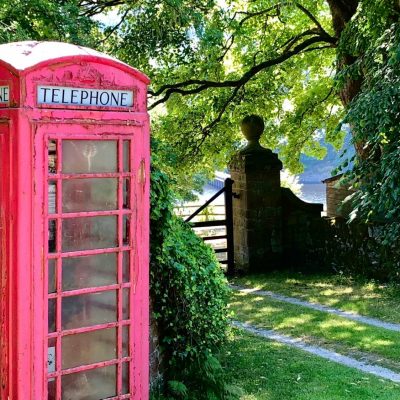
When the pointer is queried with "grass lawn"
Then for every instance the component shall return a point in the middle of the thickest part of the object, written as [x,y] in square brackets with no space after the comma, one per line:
[366,298]
[266,370]
[327,330]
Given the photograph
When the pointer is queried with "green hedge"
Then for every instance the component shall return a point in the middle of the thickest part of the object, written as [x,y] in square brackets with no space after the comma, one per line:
[188,289]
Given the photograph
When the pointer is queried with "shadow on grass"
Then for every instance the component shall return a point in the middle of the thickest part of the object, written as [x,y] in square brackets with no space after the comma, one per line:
[299,321]
[367,298]
[267,370]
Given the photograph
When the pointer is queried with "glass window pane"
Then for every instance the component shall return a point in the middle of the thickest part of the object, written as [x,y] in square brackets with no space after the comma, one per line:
[94,194]
[126,194]
[52,197]
[52,236]
[52,275]
[125,304]
[95,384]
[126,230]
[125,341]
[89,309]
[52,315]
[125,378]
[126,266]
[89,348]
[89,156]
[52,156]
[51,356]
[88,233]
[51,389]
[89,271]
[126,155]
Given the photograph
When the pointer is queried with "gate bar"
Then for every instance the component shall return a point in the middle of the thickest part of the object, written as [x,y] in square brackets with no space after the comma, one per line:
[207,203]
[229,227]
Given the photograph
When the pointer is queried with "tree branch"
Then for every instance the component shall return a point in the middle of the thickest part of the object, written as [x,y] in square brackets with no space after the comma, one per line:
[205,132]
[315,104]
[277,8]
[249,15]
[312,17]
[115,27]
[205,84]
[90,8]
[228,45]
[328,46]
[289,43]
[207,129]
[230,41]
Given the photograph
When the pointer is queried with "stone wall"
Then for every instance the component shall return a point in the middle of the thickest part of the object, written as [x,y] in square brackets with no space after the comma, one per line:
[272,227]
[354,249]
[336,193]
[301,232]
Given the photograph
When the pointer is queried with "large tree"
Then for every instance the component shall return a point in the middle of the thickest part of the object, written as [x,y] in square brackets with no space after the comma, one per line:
[299,64]
[220,61]
[303,65]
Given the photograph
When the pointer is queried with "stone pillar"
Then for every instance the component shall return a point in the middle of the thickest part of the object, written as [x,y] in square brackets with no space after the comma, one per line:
[257,207]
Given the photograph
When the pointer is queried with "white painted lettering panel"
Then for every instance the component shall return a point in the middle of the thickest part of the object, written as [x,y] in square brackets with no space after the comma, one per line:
[70,96]
[4,94]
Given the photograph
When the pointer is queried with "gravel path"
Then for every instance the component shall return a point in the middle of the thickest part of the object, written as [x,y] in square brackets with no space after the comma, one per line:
[321,352]
[319,307]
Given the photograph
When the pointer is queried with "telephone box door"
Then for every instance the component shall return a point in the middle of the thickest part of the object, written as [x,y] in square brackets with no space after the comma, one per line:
[94,279]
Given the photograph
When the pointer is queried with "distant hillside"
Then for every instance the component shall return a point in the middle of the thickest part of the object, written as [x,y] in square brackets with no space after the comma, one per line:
[317,170]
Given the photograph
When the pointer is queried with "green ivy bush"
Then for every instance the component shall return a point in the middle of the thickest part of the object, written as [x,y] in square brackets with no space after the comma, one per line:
[189,294]
[355,249]
[375,117]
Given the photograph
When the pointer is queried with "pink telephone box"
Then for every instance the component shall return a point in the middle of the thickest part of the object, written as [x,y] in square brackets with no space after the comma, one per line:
[74,224]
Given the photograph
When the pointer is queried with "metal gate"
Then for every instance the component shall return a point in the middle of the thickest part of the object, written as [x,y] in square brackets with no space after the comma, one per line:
[227,222]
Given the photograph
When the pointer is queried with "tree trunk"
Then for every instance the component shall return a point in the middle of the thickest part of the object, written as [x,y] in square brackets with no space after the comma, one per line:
[342,11]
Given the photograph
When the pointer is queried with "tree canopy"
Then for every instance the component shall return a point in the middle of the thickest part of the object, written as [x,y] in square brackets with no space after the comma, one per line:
[305,66]
[211,63]
[276,59]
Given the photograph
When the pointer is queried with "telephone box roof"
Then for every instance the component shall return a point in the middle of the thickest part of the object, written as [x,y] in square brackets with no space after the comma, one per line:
[22,56]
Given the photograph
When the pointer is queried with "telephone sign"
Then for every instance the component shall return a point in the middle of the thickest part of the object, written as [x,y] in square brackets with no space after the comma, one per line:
[84,97]
[4,94]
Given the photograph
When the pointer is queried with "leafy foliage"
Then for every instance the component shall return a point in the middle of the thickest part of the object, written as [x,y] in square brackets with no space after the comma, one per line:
[212,63]
[46,20]
[188,289]
[177,389]
[206,380]
[374,116]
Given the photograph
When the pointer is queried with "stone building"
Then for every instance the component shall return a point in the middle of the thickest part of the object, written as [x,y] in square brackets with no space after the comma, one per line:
[336,193]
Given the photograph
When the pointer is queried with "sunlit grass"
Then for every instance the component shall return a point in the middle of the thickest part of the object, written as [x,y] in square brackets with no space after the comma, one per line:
[365,298]
[315,326]
[267,370]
